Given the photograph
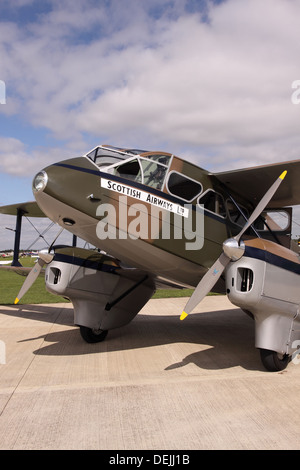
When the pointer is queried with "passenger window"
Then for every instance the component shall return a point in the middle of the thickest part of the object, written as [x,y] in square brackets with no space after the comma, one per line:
[213,202]
[183,187]
[275,220]
[235,215]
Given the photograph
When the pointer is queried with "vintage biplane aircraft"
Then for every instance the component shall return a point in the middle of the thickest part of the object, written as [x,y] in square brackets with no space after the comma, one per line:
[159,220]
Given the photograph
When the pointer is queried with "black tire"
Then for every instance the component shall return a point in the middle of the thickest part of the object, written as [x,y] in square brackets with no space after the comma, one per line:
[273,361]
[91,335]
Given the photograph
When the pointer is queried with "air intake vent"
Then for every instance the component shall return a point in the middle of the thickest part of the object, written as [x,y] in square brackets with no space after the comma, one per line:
[54,275]
[244,279]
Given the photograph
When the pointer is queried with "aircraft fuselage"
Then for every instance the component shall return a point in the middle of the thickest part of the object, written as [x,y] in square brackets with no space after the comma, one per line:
[152,210]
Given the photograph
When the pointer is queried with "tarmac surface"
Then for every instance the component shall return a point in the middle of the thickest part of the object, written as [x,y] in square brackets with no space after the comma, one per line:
[157,383]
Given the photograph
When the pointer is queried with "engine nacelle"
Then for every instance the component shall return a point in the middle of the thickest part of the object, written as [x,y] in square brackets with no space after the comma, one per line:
[265,282]
[104,294]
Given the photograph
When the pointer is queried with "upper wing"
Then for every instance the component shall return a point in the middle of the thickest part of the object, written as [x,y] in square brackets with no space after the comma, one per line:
[30,209]
[252,183]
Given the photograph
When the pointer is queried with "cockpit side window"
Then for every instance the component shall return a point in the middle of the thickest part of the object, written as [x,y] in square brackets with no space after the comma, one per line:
[92,155]
[150,170]
[154,173]
[130,170]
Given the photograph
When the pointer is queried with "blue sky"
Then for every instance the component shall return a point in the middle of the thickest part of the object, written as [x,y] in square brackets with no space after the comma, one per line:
[210,81]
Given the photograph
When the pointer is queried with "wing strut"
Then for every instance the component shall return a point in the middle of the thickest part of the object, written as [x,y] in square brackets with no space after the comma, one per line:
[15,261]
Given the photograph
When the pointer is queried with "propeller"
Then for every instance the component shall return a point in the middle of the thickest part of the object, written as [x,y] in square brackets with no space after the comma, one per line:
[44,258]
[233,250]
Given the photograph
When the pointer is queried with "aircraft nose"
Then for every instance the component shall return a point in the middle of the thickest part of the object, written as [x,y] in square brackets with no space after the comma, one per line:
[62,191]
[39,181]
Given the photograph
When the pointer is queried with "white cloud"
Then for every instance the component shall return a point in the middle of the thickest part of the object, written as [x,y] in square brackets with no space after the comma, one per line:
[16,160]
[222,87]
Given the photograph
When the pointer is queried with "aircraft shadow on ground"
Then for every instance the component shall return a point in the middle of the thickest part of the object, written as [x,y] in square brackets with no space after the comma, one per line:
[225,337]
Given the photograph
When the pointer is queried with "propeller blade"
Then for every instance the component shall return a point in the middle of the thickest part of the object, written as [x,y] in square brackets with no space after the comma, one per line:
[214,273]
[262,204]
[46,256]
[30,279]
[206,284]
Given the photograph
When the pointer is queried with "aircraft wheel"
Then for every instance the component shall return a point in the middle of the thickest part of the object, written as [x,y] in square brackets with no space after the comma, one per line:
[273,361]
[91,335]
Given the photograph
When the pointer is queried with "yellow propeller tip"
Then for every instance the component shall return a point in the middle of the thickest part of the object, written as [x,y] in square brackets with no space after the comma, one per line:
[16,300]
[183,316]
[282,176]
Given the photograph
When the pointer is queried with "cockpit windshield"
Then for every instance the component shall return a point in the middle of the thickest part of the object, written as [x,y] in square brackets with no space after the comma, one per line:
[142,166]
[148,168]
[104,156]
